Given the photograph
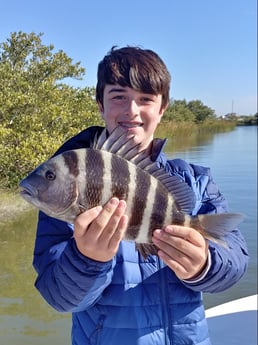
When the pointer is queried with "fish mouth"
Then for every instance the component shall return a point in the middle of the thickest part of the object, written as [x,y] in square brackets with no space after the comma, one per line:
[28,191]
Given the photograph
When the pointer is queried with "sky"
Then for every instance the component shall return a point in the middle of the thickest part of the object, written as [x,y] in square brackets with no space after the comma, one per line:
[209,46]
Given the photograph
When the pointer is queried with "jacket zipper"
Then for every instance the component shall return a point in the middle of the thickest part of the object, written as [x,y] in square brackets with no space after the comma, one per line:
[164,299]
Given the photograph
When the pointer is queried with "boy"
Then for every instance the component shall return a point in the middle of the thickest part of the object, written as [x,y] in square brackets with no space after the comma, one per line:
[114,294]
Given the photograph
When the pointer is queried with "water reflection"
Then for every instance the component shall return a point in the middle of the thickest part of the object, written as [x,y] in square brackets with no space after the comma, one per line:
[184,143]
[24,316]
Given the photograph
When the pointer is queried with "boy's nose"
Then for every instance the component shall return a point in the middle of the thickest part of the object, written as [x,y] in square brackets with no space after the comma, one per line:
[132,108]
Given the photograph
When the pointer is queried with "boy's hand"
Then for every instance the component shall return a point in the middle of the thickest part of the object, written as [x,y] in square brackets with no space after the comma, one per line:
[98,231]
[183,249]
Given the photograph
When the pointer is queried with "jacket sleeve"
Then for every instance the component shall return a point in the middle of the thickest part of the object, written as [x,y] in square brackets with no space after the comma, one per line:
[67,280]
[228,265]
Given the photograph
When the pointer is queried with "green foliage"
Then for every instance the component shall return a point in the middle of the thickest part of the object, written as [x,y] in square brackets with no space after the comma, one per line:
[178,111]
[201,112]
[38,111]
[193,111]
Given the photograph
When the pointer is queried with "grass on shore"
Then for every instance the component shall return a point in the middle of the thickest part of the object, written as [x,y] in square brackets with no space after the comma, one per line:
[187,128]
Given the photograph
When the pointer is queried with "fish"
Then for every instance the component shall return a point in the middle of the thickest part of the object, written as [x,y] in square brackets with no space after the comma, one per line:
[74,181]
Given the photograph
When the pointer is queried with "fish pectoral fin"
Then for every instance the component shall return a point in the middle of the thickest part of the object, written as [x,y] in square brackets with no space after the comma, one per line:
[146,249]
[216,226]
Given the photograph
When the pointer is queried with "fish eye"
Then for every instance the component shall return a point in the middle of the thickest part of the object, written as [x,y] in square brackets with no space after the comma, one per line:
[50,175]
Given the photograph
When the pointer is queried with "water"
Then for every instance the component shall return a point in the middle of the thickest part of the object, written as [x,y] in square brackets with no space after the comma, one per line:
[26,319]
[232,158]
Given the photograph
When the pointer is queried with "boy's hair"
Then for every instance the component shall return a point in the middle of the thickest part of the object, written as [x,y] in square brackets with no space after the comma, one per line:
[140,69]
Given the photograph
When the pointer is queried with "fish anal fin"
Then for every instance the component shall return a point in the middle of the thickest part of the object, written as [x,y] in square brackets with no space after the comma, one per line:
[146,249]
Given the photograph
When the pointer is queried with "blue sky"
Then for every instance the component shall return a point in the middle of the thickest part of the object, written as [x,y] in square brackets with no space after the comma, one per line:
[209,46]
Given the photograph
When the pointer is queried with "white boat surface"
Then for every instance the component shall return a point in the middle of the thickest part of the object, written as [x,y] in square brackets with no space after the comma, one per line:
[234,322]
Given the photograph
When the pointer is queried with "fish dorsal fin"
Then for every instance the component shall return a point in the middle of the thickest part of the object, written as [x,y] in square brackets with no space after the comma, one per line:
[100,140]
[180,190]
[120,144]
[117,142]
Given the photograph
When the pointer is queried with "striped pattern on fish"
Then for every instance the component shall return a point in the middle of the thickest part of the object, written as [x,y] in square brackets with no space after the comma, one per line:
[149,205]
[77,180]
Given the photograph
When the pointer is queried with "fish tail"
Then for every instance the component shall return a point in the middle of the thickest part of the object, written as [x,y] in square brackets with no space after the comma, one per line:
[215,227]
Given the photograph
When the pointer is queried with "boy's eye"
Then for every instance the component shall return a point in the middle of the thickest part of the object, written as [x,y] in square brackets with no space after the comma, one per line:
[147,99]
[119,97]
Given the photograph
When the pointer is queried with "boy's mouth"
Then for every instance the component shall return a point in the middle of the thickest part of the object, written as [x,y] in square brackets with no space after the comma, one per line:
[130,124]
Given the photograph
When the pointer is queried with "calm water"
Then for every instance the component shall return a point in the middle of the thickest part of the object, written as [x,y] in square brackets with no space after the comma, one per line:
[232,158]
[25,319]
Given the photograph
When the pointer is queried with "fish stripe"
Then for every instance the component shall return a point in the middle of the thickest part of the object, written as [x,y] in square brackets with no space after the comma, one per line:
[130,198]
[169,211]
[120,177]
[178,218]
[106,190]
[159,210]
[145,232]
[71,161]
[94,168]
[139,203]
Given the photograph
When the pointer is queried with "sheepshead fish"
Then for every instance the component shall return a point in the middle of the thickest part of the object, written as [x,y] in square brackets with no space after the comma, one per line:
[76,180]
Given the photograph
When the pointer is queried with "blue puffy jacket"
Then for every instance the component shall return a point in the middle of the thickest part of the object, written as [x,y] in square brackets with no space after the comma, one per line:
[129,300]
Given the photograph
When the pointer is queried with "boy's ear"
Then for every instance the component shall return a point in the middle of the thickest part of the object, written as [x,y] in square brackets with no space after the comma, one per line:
[100,106]
[163,109]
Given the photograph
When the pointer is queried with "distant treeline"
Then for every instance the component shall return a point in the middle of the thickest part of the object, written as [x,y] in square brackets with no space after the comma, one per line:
[244,120]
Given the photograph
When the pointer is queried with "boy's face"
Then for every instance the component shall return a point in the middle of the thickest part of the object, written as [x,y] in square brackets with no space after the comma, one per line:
[136,112]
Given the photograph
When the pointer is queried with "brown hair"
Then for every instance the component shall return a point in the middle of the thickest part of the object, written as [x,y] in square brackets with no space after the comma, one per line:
[140,69]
